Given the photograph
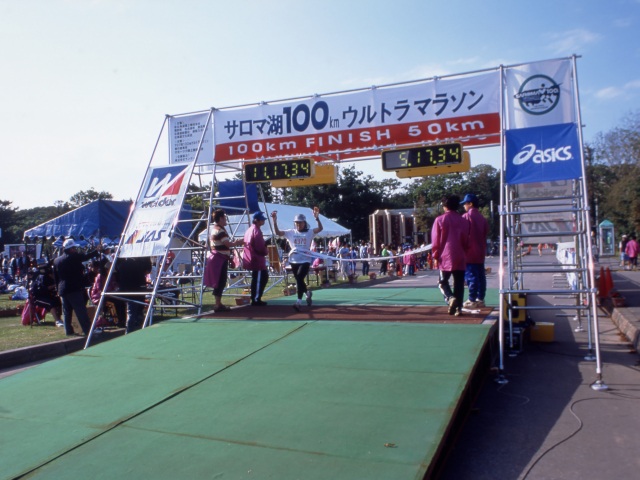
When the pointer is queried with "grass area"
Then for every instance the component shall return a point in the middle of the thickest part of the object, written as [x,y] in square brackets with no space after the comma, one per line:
[14,335]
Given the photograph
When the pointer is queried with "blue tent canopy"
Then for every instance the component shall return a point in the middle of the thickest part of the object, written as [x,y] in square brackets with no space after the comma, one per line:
[100,218]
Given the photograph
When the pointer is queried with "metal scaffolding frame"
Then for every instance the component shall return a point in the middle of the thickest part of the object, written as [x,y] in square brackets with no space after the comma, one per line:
[184,290]
[515,211]
[575,272]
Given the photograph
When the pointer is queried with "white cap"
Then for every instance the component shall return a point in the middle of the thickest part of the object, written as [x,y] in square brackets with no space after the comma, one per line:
[69,243]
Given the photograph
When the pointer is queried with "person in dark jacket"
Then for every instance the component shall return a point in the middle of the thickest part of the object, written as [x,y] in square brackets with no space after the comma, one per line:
[68,272]
[132,277]
[254,258]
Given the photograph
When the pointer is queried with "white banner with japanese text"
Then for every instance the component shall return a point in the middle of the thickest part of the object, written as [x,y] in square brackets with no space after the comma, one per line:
[185,134]
[358,124]
[540,94]
[156,211]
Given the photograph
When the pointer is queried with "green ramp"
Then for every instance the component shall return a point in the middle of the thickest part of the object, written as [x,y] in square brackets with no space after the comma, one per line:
[305,400]
[48,410]
[380,296]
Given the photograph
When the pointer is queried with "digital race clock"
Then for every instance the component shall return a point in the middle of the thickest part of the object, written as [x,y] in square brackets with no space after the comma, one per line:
[426,156]
[278,170]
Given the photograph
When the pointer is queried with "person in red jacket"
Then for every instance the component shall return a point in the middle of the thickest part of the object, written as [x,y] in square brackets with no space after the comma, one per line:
[475,274]
[254,258]
[449,241]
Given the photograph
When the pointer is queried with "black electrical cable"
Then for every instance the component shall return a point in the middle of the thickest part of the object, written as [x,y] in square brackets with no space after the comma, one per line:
[567,438]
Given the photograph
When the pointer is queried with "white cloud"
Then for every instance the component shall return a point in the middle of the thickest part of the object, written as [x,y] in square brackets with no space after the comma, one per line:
[572,41]
[609,93]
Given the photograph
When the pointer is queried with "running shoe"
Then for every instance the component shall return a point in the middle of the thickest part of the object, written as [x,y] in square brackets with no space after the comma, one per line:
[453,305]
[309,301]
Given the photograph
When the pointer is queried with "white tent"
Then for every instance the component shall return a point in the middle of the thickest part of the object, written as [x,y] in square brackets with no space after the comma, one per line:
[238,224]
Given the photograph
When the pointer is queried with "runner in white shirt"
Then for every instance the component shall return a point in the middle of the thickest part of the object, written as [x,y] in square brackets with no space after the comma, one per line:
[300,239]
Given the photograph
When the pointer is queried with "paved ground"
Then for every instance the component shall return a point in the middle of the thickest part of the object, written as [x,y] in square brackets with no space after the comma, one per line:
[547,422]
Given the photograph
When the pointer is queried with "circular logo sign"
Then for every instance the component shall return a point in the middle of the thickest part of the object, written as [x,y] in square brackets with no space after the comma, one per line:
[538,95]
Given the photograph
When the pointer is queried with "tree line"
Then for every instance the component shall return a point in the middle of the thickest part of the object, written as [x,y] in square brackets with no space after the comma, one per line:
[613,167]
[14,222]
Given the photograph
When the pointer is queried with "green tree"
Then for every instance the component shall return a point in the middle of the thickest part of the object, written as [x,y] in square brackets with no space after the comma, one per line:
[484,181]
[7,219]
[427,193]
[84,197]
[350,201]
[613,174]
[29,218]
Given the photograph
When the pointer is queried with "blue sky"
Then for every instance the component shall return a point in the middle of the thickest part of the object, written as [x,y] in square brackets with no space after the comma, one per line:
[86,84]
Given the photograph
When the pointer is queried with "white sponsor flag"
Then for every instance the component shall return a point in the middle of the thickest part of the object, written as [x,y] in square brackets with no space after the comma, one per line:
[539,94]
[156,211]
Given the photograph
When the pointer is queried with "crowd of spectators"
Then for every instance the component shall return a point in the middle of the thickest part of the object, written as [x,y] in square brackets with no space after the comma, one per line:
[76,277]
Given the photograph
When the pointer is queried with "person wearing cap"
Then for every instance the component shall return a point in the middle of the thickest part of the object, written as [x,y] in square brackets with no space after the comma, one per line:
[449,241]
[475,274]
[631,250]
[217,264]
[345,266]
[299,239]
[365,253]
[254,258]
[623,245]
[384,264]
[68,271]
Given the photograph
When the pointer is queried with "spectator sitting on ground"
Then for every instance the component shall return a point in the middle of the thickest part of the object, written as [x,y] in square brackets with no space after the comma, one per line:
[95,293]
[45,294]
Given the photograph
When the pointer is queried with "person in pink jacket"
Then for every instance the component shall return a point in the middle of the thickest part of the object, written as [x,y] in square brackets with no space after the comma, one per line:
[254,258]
[475,275]
[449,243]
[632,252]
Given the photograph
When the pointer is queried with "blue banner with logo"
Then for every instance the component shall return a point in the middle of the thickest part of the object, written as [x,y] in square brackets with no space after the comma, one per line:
[541,154]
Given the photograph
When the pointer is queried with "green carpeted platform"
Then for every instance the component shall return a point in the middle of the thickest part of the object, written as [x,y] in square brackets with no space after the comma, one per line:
[381,296]
[229,399]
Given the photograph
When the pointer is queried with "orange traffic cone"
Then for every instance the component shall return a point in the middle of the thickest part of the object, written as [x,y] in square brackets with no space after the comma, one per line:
[602,286]
[608,281]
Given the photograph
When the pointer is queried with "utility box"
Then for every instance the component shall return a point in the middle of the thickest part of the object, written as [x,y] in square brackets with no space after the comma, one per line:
[542,332]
